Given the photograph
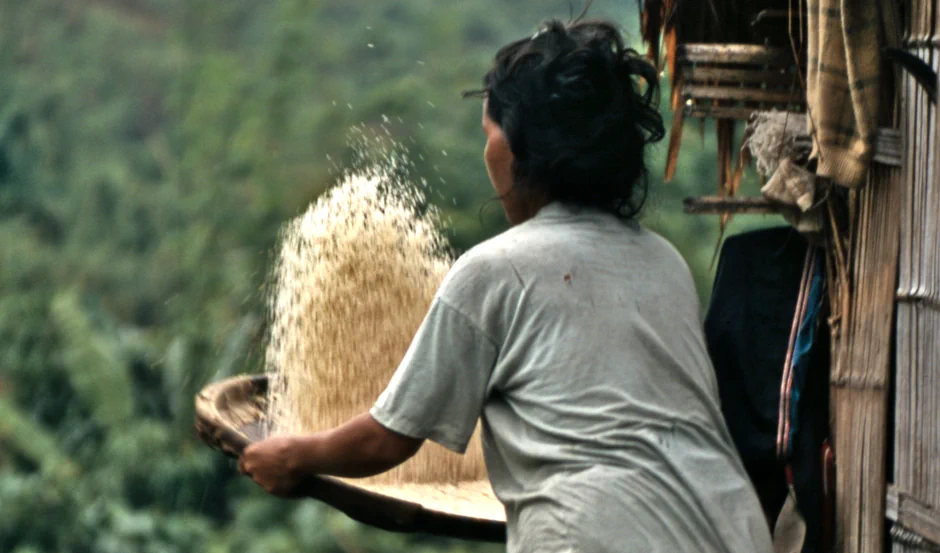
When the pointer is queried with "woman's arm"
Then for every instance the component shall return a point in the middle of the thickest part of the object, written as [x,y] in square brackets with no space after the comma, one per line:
[438,392]
[361,447]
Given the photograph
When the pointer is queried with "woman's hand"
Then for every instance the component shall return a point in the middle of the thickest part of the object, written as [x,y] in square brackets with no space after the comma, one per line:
[362,447]
[274,465]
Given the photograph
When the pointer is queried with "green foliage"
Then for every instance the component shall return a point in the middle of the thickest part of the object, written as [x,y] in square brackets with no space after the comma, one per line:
[149,152]
[101,381]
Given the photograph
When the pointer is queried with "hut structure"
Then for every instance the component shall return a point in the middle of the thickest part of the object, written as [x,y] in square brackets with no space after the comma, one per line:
[858,174]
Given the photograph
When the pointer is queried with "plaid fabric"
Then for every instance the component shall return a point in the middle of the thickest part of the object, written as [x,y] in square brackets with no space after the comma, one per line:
[843,74]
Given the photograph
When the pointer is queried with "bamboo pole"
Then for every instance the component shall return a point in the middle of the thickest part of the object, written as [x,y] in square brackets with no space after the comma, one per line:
[859,378]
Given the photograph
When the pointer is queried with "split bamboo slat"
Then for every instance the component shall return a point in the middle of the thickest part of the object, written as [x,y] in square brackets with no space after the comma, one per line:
[862,354]
[914,504]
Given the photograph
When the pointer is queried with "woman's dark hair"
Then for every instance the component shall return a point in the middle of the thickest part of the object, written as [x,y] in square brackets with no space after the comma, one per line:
[569,102]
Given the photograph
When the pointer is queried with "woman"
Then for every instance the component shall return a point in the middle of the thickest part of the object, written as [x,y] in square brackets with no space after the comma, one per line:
[575,335]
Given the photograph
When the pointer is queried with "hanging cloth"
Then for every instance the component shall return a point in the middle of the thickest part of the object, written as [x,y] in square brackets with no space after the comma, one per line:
[771,363]
[843,83]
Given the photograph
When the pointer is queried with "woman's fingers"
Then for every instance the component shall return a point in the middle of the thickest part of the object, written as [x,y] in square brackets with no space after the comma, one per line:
[242,467]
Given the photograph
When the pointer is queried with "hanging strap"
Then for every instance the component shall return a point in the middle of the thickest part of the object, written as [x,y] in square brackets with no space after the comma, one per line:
[786,383]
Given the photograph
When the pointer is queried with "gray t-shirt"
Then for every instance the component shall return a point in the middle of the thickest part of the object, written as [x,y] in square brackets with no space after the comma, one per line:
[577,339]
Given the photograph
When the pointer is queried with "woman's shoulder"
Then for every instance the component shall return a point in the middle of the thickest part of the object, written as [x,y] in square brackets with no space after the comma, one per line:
[484,287]
[485,270]
[661,244]
[488,259]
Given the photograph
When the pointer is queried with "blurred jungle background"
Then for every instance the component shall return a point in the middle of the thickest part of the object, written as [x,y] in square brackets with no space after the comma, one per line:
[149,152]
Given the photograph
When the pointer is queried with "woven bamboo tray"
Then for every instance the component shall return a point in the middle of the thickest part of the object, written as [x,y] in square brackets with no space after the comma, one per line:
[230,415]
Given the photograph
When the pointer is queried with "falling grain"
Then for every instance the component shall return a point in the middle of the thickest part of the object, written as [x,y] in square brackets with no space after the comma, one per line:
[354,278]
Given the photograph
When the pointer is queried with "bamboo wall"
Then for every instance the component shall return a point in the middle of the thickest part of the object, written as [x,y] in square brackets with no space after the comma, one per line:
[915,495]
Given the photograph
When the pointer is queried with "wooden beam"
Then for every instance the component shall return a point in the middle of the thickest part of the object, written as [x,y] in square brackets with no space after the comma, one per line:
[741,94]
[717,205]
[913,515]
[772,77]
[747,54]
[703,111]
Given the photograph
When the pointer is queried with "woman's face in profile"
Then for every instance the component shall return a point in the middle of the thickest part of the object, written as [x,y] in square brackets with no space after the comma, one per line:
[498,157]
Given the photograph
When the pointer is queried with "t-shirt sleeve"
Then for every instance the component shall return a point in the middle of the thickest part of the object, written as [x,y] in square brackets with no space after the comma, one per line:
[439,389]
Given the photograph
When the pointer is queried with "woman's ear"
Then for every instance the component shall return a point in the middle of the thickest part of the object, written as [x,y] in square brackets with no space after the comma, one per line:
[499,161]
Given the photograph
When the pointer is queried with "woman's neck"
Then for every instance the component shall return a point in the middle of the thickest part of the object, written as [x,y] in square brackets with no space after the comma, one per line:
[520,207]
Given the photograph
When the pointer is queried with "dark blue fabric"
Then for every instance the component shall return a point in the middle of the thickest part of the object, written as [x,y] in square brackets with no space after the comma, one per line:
[806,340]
[747,329]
